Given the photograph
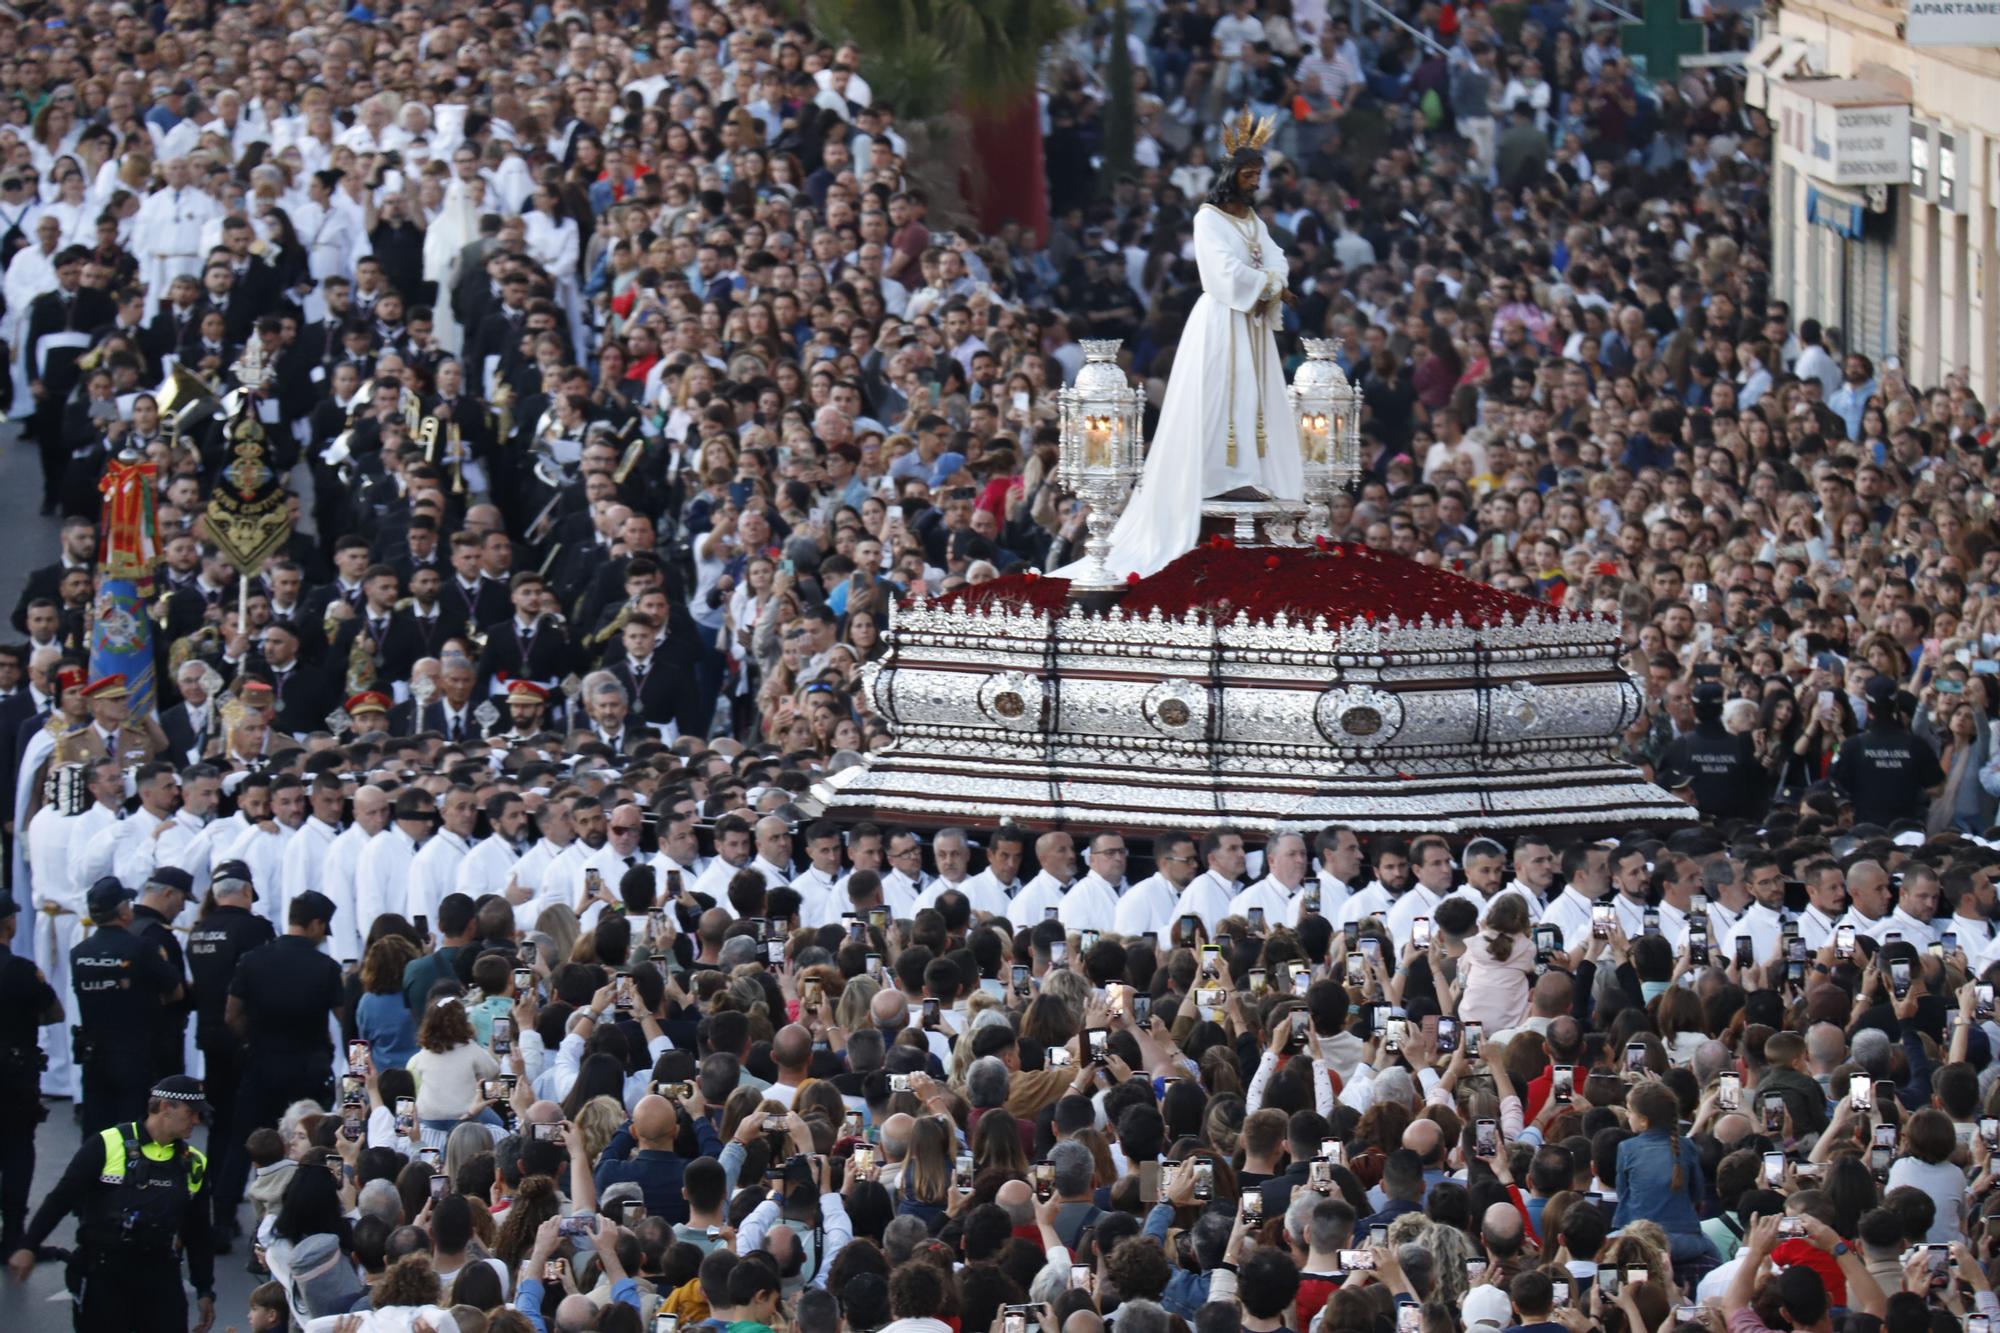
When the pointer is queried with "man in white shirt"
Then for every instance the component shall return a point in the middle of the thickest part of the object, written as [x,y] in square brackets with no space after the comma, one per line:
[1826,900]
[1283,883]
[773,840]
[381,875]
[953,853]
[904,879]
[1917,903]
[1868,900]
[89,858]
[1588,870]
[303,864]
[1055,853]
[1630,881]
[489,866]
[1149,905]
[1392,874]
[734,850]
[60,909]
[815,884]
[1209,894]
[1763,920]
[1678,879]
[434,869]
[1485,867]
[371,815]
[992,889]
[1534,875]
[1341,864]
[1092,902]
[864,852]
[261,846]
[148,848]
[526,875]
[131,840]
[609,864]
[1431,855]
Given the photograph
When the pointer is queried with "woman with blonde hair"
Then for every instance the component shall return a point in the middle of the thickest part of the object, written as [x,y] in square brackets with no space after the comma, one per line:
[597,1121]
[559,923]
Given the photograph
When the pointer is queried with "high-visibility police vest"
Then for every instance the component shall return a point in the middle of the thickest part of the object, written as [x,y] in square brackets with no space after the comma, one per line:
[151,1187]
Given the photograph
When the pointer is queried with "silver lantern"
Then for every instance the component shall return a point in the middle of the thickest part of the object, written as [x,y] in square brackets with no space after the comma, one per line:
[1102,451]
[1327,409]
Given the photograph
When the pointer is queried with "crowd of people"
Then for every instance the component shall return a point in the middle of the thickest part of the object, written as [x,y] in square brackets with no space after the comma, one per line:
[457,892]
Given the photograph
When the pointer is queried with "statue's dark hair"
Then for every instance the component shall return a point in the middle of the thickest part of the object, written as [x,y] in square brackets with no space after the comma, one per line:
[1225,190]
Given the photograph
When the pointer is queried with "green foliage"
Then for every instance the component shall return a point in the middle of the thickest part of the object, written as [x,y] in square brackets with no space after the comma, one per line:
[925,55]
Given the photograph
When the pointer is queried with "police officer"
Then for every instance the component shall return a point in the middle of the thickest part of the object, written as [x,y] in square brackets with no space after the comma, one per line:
[137,1192]
[225,931]
[1890,772]
[279,1004]
[1727,777]
[121,984]
[27,1003]
[160,903]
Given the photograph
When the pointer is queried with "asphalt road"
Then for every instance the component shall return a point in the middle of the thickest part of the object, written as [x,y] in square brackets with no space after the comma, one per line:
[28,541]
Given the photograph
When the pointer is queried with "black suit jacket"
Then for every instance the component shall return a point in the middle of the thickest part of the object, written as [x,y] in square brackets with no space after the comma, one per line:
[434,719]
[398,651]
[239,314]
[49,313]
[44,582]
[432,633]
[305,695]
[14,710]
[181,735]
[488,604]
[667,693]
[545,655]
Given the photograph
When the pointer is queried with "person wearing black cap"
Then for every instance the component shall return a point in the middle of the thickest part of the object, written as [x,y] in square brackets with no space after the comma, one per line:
[27,1003]
[138,1190]
[279,1000]
[226,930]
[122,982]
[1726,776]
[160,902]
[1890,772]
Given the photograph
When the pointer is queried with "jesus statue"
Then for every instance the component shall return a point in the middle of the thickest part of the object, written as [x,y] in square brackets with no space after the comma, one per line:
[1225,428]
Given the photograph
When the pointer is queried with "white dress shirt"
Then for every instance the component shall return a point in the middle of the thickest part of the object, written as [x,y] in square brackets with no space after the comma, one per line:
[1570,913]
[434,873]
[1920,933]
[1816,928]
[486,868]
[348,932]
[1761,925]
[1207,896]
[567,876]
[1515,888]
[140,853]
[899,893]
[1418,901]
[264,853]
[988,894]
[938,887]
[381,876]
[1147,905]
[304,861]
[1375,900]
[49,835]
[715,883]
[1090,904]
[1275,898]
[1031,904]
[1873,928]
[89,857]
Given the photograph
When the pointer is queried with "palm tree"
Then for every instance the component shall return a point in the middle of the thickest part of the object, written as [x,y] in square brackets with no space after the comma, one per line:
[938,60]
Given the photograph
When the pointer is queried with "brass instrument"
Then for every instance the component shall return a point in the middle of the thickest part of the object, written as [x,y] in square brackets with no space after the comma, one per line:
[426,433]
[185,401]
[455,444]
[340,454]
[503,411]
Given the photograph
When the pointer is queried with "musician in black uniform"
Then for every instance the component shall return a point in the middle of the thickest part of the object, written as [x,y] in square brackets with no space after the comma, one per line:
[225,931]
[138,1192]
[27,1003]
[62,319]
[121,984]
[160,903]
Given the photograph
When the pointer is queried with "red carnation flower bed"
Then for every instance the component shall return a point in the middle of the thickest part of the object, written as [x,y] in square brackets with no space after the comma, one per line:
[1339,581]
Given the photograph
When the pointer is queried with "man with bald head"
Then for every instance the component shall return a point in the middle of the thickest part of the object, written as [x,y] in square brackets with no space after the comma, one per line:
[773,837]
[894,1147]
[1501,1232]
[1055,853]
[791,1052]
[371,815]
[1868,900]
[642,1151]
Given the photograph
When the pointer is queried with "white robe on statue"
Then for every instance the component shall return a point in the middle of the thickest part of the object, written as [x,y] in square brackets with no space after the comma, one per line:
[455,227]
[1225,367]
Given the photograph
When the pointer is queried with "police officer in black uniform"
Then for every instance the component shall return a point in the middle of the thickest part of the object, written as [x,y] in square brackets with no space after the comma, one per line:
[279,1002]
[122,982]
[27,1002]
[138,1192]
[225,931]
[159,906]
[1890,772]
[1727,777]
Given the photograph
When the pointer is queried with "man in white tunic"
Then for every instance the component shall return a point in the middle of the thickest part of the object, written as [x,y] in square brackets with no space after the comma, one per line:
[262,846]
[303,865]
[816,882]
[1092,902]
[434,869]
[1589,881]
[489,866]
[1055,853]
[904,880]
[1534,875]
[371,815]
[524,879]
[1149,905]
[953,854]
[992,890]
[167,234]
[198,791]
[90,856]
[1432,858]
[1209,894]
[1285,862]
[59,916]
[381,875]
[1341,865]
